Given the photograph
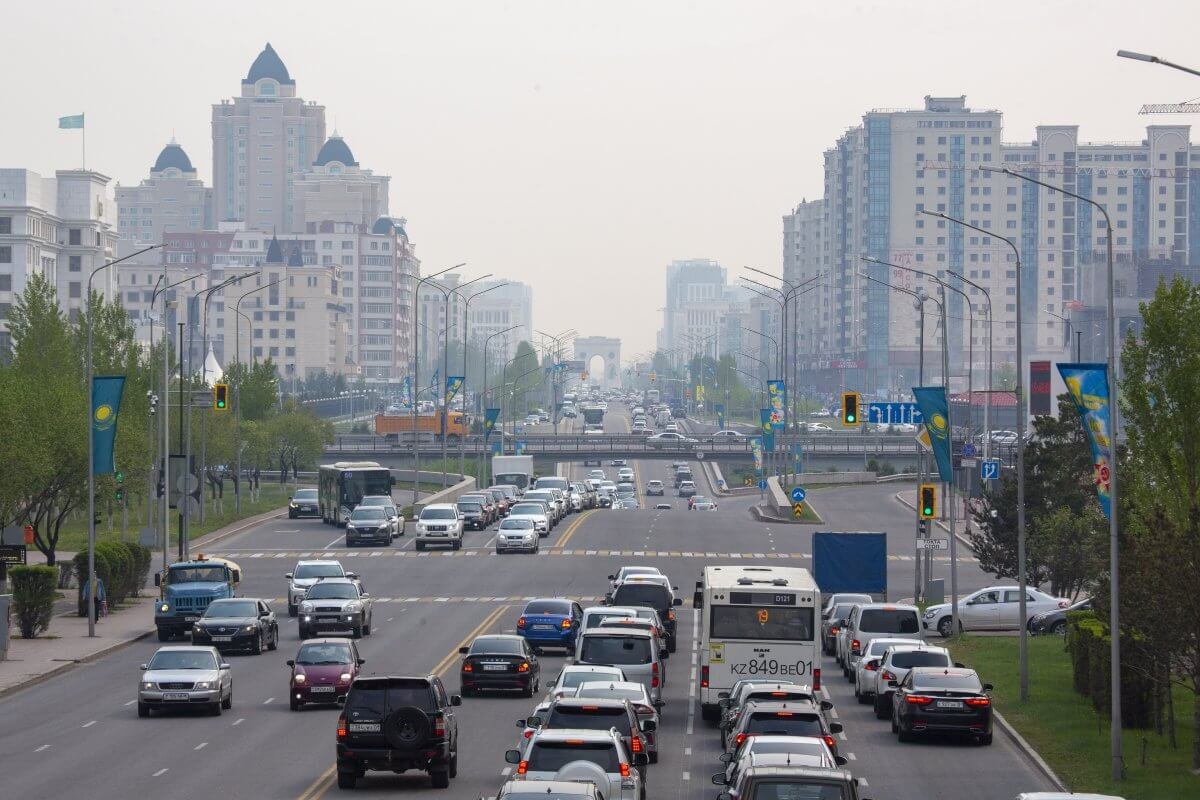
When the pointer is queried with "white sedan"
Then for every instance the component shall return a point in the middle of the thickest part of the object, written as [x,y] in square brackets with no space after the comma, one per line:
[727,435]
[670,440]
[819,427]
[996,608]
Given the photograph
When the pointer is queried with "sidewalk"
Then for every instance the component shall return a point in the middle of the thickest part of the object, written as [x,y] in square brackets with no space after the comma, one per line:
[67,644]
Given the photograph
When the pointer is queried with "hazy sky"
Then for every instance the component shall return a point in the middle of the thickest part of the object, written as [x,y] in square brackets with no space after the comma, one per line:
[581,146]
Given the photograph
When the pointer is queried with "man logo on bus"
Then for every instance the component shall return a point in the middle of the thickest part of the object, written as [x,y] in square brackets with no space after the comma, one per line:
[763,615]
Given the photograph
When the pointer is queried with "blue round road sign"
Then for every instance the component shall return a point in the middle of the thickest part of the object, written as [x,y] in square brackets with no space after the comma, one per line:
[798,494]
[762,484]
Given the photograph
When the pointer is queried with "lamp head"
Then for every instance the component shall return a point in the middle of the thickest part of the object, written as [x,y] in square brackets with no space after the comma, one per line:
[1130,54]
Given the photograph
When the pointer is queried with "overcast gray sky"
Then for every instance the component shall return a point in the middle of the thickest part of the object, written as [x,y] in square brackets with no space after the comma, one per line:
[581,146]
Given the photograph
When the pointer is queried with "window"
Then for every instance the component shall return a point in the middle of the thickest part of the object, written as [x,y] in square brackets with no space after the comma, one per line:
[73,236]
[5,224]
[75,289]
[6,256]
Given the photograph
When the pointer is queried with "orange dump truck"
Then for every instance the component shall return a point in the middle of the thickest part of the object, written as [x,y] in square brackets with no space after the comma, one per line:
[400,426]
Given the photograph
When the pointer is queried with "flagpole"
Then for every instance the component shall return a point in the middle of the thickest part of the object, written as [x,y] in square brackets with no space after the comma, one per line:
[83,143]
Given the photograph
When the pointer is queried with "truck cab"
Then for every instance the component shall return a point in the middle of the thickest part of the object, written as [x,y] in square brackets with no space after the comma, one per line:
[185,590]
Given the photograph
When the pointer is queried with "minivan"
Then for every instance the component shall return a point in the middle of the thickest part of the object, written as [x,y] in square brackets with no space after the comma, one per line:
[870,621]
[634,651]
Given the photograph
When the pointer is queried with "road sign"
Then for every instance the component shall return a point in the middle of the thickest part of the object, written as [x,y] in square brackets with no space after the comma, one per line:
[798,510]
[798,494]
[12,553]
[699,455]
[923,440]
[762,484]
[968,450]
[989,470]
[933,544]
[894,413]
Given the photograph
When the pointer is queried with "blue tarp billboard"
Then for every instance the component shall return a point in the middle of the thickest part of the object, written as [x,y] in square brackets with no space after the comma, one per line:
[850,562]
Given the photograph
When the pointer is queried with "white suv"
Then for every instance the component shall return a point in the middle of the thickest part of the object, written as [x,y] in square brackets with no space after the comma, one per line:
[555,754]
[870,621]
[440,523]
[305,574]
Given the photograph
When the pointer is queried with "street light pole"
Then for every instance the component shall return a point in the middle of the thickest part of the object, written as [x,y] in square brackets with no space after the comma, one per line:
[446,366]
[1118,768]
[416,382]
[462,440]
[1155,60]
[482,394]
[237,387]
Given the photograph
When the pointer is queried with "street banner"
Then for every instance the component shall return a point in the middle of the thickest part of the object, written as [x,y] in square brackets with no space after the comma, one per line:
[700,394]
[519,447]
[1088,385]
[433,386]
[406,397]
[936,412]
[106,404]
[777,399]
[490,416]
[720,409]
[756,449]
[453,384]
[497,448]
[768,429]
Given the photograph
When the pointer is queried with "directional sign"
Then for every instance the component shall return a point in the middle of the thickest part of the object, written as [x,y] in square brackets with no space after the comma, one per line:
[968,450]
[762,484]
[894,413]
[797,510]
[933,544]
[989,470]
[923,440]
[798,494]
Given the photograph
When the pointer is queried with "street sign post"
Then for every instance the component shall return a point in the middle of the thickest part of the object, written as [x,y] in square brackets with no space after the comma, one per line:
[989,470]
[968,450]
[894,414]
[798,494]
[797,510]
[762,484]
[933,544]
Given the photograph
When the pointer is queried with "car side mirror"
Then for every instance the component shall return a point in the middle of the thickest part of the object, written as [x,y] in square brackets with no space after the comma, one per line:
[361,661]
[835,727]
[892,684]
[725,758]
[455,700]
[512,756]
[288,576]
[236,575]
[987,687]
[464,649]
[266,613]
[225,667]
[158,579]
[826,705]
[678,601]
[723,695]
[366,593]
[145,667]
[718,778]
[841,761]
[662,654]
[291,662]
[352,575]
[960,665]
[648,726]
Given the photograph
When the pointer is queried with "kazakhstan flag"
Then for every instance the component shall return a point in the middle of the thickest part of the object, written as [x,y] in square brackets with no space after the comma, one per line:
[106,403]
[73,121]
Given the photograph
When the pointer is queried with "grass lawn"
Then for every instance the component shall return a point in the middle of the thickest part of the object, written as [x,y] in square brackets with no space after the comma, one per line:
[1063,727]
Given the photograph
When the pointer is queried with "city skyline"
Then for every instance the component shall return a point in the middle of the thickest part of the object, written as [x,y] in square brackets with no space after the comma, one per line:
[481,157]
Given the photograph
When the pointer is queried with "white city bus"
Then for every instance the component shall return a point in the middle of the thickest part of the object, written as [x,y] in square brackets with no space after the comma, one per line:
[756,622]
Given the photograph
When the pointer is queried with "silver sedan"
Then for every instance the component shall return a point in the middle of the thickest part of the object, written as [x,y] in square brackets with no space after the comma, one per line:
[185,675]
[518,535]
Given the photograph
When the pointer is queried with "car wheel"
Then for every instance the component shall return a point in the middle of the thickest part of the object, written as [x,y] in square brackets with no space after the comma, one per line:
[163,636]
[227,703]
[294,704]
[257,648]
[346,780]
[880,708]
[905,734]
[528,690]
[986,739]
[215,708]
[453,771]
[1059,628]
[440,780]
[356,632]
[457,545]
[653,757]
[273,642]
[672,645]
[293,610]
[420,545]
[303,632]
[143,710]
[367,629]
[859,696]
[499,551]
[944,627]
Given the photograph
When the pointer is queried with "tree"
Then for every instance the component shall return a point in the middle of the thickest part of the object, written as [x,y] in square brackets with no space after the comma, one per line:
[1160,404]
[1071,547]
[257,387]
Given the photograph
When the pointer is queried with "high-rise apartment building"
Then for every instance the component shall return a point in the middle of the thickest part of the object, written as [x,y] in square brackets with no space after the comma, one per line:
[336,189]
[496,309]
[172,198]
[697,303]
[262,142]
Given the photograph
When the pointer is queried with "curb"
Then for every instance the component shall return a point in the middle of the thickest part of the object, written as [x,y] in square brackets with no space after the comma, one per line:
[1027,750]
[70,665]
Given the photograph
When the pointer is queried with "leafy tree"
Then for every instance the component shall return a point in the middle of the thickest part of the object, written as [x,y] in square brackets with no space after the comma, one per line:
[1071,547]
[257,387]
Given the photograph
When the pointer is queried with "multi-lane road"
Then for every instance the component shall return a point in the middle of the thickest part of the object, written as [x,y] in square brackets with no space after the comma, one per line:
[81,729]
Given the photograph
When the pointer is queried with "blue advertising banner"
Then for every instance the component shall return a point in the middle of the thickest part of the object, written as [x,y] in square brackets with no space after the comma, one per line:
[756,449]
[720,409]
[777,399]
[490,416]
[106,405]
[453,384]
[936,412]
[1088,385]
[406,397]
[768,430]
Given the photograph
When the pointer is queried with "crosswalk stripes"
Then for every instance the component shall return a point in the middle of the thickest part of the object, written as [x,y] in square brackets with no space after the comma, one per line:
[330,554]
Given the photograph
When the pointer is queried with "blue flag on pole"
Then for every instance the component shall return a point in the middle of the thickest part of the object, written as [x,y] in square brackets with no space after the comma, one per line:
[1088,385]
[73,121]
[106,404]
[936,412]
[406,391]
[768,429]
[453,384]
[777,397]
[720,409]
[490,416]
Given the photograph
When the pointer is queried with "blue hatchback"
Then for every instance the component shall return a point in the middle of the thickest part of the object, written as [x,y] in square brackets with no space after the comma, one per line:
[550,622]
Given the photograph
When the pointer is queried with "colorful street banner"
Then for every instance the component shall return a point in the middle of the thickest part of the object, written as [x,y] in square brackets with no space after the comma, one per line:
[433,385]
[519,447]
[490,416]
[1088,385]
[453,384]
[406,397]
[700,394]
[936,412]
[720,409]
[73,121]
[768,429]
[106,405]
[756,449]
[777,399]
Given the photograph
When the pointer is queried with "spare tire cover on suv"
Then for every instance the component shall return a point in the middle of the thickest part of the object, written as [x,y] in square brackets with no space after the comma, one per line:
[583,771]
[406,728]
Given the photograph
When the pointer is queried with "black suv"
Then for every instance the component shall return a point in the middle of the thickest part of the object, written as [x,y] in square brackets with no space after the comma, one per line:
[398,724]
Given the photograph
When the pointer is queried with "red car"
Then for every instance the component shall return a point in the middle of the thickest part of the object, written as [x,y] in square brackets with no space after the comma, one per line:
[322,672]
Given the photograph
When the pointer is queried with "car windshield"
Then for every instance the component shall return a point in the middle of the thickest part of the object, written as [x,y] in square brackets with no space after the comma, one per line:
[231,608]
[496,645]
[947,681]
[363,513]
[796,789]
[633,693]
[527,508]
[591,718]
[318,571]
[642,594]
[313,654]
[784,723]
[516,525]
[438,513]
[889,620]
[305,494]
[907,659]
[183,659]
[213,574]
[376,698]
[332,591]
[548,607]
[616,650]
[471,508]
[553,756]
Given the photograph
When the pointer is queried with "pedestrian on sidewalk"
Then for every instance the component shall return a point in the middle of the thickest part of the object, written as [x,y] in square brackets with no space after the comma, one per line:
[100,605]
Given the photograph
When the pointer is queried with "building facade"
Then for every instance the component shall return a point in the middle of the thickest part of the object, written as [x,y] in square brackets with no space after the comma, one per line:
[495,306]
[698,300]
[336,189]
[171,199]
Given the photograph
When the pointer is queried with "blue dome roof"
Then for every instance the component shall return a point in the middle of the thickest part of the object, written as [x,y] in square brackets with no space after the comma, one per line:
[335,149]
[269,65]
[274,251]
[173,156]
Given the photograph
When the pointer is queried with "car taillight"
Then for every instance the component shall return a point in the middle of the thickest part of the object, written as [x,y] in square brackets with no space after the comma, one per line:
[523,667]
[833,631]
[918,700]
[855,646]
[704,677]
[978,702]
[625,771]
[740,739]
[520,622]
[817,679]
[636,744]
[467,668]
[566,624]
[654,675]
[529,733]
[439,725]
[885,675]
[342,730]
[671,615]
[523,767]
[829,742]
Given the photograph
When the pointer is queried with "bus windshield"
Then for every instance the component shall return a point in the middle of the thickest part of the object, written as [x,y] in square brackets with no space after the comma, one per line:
[762,623]
[356,484]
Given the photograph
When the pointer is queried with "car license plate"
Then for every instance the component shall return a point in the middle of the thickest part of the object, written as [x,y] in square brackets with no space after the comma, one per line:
[321,689]
[327,619]
[949,704]
[495,667]
[222,638]
[364,727]
[190,619]
[543,627]
[176,696]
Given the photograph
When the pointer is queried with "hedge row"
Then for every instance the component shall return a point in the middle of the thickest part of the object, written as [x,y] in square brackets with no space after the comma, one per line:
[33,590]
[122,567]
[1089,646]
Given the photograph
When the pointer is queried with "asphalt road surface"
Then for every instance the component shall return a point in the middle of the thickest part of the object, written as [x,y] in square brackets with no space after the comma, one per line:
[78,734]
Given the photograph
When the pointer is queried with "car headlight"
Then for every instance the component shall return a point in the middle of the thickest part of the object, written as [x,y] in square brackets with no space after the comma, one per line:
[351,529]
[306,606]
[147,685]
[250,629]
[344,677]
[353,606]
[298,678]
[164,607]
[204,685]
[931,613]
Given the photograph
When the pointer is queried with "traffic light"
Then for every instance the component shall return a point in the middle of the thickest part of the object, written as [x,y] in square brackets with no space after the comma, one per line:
[120,495]
[928,498]
[850,403]
[221,396]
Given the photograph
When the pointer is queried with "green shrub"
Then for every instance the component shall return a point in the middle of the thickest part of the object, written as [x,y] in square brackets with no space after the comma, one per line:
[33,589]
[142,559]
[122,571]
[1089,643]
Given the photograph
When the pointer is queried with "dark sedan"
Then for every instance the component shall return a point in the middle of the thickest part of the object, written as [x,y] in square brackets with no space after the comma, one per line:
[304,504]
[322,672]
[941,700]
[1055,620]
[473,516]
[832,624]
[499,662]
[237,623]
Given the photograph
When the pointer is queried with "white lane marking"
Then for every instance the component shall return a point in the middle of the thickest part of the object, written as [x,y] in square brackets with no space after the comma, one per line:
[333,542]
[389,619]
[268,700]
[842,736]
[687,776]
[687,751]
[833,713]
[851,756]
[506,771]
[238,721]
[161,772]
[43,747]
[89,724]
[131,702]
[201,746]
[863,782]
